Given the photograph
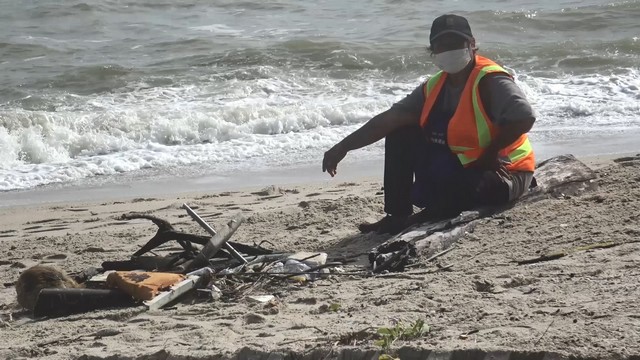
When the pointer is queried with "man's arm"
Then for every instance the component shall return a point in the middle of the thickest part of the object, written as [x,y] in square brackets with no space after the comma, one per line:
[508,110]
[377,128]
[373,130]
[405,112]
[507,134]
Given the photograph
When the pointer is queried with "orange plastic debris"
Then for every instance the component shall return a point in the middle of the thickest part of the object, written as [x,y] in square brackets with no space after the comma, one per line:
[142,285]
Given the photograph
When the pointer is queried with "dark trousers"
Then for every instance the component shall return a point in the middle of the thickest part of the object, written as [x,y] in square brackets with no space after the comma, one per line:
[467,188]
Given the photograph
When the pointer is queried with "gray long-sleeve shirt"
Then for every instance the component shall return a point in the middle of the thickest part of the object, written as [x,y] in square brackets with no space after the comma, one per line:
[503,100]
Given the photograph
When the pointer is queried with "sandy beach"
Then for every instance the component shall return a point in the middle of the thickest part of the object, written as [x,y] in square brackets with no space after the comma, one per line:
[583,305]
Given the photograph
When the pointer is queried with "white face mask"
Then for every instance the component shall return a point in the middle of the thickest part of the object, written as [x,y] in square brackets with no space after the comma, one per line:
[452,61]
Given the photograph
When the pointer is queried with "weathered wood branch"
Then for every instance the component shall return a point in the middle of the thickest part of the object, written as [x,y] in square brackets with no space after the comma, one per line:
[166,232]
[214,244]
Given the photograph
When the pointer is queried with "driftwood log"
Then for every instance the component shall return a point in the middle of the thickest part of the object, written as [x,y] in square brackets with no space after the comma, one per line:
[562,175]
[214,244]
[232,251]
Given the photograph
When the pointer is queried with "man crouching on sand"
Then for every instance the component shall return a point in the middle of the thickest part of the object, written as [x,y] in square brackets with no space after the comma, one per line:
[461,134]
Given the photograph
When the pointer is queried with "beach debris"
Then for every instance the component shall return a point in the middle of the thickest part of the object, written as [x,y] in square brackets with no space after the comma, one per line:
[216,293]
[142,285]
[193,280]
[173,293]
[239,270]
[212,253]
[296,270]
[309,258]
[260,299]
[561,175]
[237,221]
[561,254]
[465,336]
[49,291]
[99,279]
[67,301]
[33,280]
[392,257]
[215,243]
[82,277]
[301,267]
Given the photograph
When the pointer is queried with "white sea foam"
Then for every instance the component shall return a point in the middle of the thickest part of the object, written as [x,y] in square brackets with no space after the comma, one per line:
[585,104]
[246,125]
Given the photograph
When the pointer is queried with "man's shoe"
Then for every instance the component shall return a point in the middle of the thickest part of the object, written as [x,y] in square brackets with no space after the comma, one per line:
[389,224]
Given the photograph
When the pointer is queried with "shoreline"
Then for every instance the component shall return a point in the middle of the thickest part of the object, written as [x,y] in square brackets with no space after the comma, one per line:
[302,174]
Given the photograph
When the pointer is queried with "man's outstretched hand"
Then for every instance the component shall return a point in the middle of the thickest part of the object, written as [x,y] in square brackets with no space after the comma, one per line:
[331,159]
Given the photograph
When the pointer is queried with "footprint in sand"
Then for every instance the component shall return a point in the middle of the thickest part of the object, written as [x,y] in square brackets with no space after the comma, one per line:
[39,226]
[7,233]
[32,227]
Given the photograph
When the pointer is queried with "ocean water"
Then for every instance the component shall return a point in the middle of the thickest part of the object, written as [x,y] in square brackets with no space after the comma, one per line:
[113,90]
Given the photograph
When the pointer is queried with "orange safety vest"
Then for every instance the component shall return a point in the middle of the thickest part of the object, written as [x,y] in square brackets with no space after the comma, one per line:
[470,130]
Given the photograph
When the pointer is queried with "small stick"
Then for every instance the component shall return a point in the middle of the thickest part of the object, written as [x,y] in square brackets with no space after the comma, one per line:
[365,273]
[544,333]
[309,257]
[440,253]
[289,274]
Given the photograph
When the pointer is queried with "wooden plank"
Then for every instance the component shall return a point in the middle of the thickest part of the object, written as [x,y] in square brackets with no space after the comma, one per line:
[174,293]
[237,220]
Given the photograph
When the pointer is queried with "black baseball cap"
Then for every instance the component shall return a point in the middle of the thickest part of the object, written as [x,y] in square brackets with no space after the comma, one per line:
[449,23]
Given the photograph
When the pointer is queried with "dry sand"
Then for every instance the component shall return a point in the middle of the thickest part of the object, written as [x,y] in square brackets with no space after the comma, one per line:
[584,304]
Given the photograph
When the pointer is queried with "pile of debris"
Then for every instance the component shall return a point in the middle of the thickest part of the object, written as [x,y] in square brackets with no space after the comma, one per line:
[221,269]
[212,265]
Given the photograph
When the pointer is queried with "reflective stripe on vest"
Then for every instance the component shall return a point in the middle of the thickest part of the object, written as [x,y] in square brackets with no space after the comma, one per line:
[518,155]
